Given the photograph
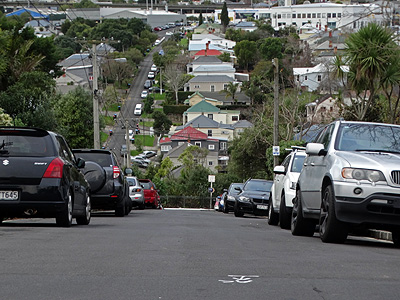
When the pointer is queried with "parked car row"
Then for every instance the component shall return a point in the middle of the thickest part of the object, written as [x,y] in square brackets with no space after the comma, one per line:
[251,197]
[42,177]
[349,183]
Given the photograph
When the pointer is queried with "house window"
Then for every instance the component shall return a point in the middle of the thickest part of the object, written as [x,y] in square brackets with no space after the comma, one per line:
[329,15]
[196,86]
[309,16]
[339,15]
[197,144]
[222,145]
[333,15]
[318,15]
[180,143]
[293,16]
[235,118]
[209,132]
[319,78]
[305,77]
[303,16]
[299,16]
[298,77]
[225,86]
[210,116]
[279,16]
[324,15]
[314,16]
[164,148]
[212,88]
[211,147]
[210,163]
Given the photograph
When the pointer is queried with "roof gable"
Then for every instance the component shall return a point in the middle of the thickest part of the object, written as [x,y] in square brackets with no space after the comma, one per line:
[189,133]
[203,106]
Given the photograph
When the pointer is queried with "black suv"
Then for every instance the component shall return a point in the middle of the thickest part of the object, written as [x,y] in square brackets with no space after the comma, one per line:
[41,178]
[253,197]
[109,187]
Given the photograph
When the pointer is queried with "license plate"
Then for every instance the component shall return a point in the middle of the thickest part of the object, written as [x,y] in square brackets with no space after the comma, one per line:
[8,195]
[262,207]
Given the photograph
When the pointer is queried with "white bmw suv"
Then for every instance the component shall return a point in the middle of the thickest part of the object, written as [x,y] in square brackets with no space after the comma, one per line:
[284,188]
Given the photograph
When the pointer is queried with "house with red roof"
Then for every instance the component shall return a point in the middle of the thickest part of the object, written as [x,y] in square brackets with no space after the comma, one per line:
[174,146]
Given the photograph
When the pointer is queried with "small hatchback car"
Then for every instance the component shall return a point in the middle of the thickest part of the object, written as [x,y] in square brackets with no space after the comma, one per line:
[151,196]
[136,192]
[350,181]
[253,197]
[41,178]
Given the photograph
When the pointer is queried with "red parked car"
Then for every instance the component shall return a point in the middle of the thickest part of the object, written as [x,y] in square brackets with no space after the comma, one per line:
[151,196]
[157,29]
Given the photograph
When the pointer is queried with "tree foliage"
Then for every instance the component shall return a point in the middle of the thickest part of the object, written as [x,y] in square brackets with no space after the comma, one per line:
[74,113]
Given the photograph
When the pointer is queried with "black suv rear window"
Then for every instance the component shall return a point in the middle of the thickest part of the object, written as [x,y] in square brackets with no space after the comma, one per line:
[28,146]
[103,159]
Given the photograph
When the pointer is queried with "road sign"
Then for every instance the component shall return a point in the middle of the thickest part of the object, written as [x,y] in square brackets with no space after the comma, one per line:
[211,178]
[275,151]
[211,190]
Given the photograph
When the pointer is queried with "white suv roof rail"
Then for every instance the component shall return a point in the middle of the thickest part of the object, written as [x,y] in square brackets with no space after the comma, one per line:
[296,148]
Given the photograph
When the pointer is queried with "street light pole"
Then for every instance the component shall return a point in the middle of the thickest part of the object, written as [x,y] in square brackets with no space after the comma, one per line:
[276,108]
[96,123]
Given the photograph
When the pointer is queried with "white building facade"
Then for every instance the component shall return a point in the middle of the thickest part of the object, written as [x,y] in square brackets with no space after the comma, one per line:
[319,15]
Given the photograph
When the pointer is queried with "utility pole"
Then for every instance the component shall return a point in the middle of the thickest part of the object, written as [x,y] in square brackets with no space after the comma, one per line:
[276,108]
[96,125]
[128,146]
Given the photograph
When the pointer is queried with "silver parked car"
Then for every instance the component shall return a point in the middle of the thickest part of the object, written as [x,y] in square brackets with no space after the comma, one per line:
[350,180]
[136,192]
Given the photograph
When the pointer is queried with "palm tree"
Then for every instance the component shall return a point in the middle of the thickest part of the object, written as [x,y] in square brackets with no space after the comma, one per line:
[231,90]
[369,52]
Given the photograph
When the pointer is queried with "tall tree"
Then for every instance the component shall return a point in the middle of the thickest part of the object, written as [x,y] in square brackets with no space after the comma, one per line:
[74,113]
[370,52]
[224,17]
[200,18]
[246,53]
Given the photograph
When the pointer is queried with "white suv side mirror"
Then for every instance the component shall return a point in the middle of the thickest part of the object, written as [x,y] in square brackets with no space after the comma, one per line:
[279,170]
[315,149]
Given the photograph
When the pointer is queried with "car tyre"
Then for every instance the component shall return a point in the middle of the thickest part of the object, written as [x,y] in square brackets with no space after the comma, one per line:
[142,206]
[273,217]
[85,219]
[299,225]
[64,219]
[331,230]
[285,214]
[120,210]
[237,212]
[226,208]
[396,238]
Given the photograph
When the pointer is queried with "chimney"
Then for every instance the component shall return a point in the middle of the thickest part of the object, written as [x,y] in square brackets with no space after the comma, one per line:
[330,44]
[326,28]
[330,33]
[207,45]
[335,49]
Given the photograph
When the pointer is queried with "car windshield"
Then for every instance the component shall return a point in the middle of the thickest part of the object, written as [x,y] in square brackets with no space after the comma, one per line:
[146,185]
[233,191]
[103,159]
[257,185]
[28,146]
[131,181]
[368,137]
[297,164]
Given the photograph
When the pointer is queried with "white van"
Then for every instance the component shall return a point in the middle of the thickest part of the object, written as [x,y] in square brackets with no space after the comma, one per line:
[138,110]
